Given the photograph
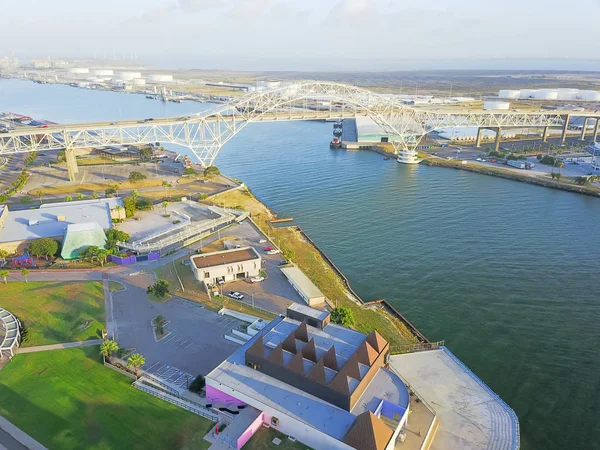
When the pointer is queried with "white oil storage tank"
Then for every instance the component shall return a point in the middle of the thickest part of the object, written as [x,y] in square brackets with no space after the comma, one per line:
[160,77]
[102,72]
[128,75]
[79,70]
[567,93]
[546,94]
[495,104]
[590,96]
[138,81]
[509,93]
[527,93]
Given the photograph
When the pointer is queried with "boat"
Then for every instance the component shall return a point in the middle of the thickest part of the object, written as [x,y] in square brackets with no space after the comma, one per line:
[335,143]
[408,157]
[385,158]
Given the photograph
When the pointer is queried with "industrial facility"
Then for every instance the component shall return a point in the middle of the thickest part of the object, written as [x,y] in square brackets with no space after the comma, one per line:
[567,94]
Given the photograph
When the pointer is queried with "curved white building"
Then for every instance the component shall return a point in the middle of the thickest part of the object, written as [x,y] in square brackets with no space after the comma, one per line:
[527,93]
[567,93]
[79,70]
[495,104]
[509,93]
[546,94]
[160,77]
[138,81]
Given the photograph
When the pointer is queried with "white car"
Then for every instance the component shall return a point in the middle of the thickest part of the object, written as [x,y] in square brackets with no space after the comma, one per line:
[262,241]
[273,252]
[257,279]
[235,295]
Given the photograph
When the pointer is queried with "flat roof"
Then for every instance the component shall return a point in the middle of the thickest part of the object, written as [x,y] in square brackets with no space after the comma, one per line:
[44,220]
[308,311]
[470,414]
[225,257]
[302,282]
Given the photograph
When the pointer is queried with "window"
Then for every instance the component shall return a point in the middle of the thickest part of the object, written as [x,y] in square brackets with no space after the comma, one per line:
[274,421]
[206,274]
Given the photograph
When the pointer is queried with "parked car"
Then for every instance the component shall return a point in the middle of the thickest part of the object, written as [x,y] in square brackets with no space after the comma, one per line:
[273,252]
[235,295]
[268,249]
[262,241]
[257,279]
[220,281]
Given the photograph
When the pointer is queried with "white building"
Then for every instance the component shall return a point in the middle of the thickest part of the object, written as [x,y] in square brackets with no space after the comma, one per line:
[227,265]
[302,284]
[160,78]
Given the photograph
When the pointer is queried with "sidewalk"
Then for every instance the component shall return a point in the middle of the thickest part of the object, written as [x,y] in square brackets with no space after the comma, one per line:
[12,438]
[43,348]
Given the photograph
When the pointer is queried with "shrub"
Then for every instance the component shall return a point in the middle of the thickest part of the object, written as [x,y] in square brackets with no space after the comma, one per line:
[136,176]
[202,196]
[144,204]
[43,247]
[175,222]
[159,289]
[343,315]
[198,384]
[110,191]
[190,171]
[212,170]
[538,157]
[26,199]
[130,206]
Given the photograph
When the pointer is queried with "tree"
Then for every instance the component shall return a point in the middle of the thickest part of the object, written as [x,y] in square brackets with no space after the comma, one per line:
[40,195]
[107,348]
[95,195]
[116,187]
[146,152]
[159,324]
[343,315]
[3,255]
[43,247]
[166,186]
[113,236]
[165,204]
[190,171]
[198,384]
[4,274]
[25,273]
[136,360]
[159,289]
[135,194]
[143,204]
[212,170]
[110,192]
[68,198]
[130,207]
[136,176]
[80,196]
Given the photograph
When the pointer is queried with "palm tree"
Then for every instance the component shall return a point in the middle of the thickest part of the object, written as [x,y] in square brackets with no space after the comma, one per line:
[68,198]
[107,348]
[25,272]
[164,185]
[80,196]
[119,208]
[136,360]
[3,255]
[4,274]
[40,195]
[95,195]
[116,188]
[165,204]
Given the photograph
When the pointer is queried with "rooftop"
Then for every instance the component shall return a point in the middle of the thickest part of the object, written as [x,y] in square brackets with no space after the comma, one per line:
[308,311]
[470,414]
[302,282]
[44,222]
[225,257]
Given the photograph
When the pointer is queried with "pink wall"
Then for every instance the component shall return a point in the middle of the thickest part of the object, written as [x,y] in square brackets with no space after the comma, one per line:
[246,435]
[214,395]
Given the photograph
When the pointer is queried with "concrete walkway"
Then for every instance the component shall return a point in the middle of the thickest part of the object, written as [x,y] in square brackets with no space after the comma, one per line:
[43,348]
[12,438]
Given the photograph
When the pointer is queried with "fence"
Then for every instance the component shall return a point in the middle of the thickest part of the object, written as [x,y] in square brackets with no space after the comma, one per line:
[418,347]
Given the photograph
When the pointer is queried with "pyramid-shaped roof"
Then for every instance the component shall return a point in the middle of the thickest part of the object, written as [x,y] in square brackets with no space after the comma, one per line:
[368,432]
[296,364]
[351,368]
[330,360]
[301,332]
[289,344]
[340,384]
[317,373]
[309,351]
[257,349]
[377,341]
[276,356]
[366,354]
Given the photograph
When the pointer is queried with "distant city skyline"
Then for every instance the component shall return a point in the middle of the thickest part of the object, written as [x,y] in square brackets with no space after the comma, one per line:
[310,35]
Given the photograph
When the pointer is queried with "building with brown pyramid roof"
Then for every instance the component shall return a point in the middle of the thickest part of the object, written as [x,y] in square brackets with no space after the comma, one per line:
[326,385]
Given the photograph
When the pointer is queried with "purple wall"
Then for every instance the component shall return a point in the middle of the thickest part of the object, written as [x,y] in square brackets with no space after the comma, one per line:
[153,256]
[246,435]
[216,396]
[123,261]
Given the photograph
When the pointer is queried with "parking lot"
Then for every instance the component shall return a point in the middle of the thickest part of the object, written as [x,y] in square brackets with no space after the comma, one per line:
[195,343]
[274,293]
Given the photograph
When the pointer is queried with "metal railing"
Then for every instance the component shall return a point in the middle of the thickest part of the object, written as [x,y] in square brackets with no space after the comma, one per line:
[416,347]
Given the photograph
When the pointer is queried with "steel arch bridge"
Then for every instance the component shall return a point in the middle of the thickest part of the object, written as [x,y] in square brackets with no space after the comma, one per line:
[205,133]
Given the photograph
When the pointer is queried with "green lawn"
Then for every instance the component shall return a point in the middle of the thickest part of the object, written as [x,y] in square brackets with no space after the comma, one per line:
[55,312]
[263,440]
[115,286]
[66,399]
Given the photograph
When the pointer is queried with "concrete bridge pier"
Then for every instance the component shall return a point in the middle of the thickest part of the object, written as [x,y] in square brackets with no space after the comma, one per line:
[595,135]
[545,135]
[563,138]
[72,168]
[497,142]
[478,138]
[585,122]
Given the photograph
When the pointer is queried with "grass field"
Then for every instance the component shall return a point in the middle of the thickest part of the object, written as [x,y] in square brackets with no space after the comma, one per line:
[66,399]
[263,440]
[307,258]
[55,312]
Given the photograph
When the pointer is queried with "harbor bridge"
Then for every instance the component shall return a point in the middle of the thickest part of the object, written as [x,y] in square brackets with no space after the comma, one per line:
[207,132]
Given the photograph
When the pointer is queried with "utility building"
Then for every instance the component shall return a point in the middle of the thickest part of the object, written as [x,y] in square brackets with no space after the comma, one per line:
[228,265]
[306,288]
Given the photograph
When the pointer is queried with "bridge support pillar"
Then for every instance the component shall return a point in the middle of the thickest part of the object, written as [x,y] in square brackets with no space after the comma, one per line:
[72,168]
[563,138]
[478,138]
[585,122]
[498,134]
[595,135]
[545,135]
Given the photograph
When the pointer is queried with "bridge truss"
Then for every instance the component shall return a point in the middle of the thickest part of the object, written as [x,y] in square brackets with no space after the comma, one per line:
[206,133]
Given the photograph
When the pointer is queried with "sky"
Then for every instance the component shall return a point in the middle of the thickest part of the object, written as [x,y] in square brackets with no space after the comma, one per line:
[309,35]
